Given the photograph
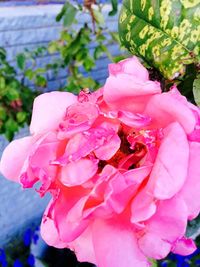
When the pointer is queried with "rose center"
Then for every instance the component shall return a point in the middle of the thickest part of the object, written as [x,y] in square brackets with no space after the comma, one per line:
[128,156]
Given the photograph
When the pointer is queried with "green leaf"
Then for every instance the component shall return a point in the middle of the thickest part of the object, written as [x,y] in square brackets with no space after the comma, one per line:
[21,116]
[61,13]
[40,81]
[99,18]
[21,61]
[11,127]
[2,53]
[29,74]
[196,90]
[100,37]
[40,70]
[52,47]
[164,33]
[118,58]
[3,113]
[115,36]
[69,15]
[2,82]
[98,52]
[87,82]
[153,263]
[65,36]
[88,63]
[114,8]
[12,94]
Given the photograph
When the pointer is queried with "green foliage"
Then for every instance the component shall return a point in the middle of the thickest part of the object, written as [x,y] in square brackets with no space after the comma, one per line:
[164,33]
[114,8]
[74,45]
[15,98]
[67,13]
[75,56]
[21,60]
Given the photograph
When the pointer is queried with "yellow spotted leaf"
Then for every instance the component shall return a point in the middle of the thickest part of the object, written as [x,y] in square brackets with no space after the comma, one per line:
[165,33]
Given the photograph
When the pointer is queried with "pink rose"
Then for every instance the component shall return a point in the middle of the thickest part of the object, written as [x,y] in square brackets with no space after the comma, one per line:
[121,164]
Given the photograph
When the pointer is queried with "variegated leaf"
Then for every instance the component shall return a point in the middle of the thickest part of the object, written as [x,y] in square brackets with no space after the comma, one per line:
[165,33]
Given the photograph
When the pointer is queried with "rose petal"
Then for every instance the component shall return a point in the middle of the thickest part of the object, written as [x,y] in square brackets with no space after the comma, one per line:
[142,207]
[78,118]
[36,166]
[115,245]
[165,109]
[184,246]
[134,120]
[48,230]
[122,188]
[77,173]
[14,156]
[65,211]
[153,246]
[49,109]
[170,169]
[82,144]
[191,188]
[126,92]
[130,66]
[108,150]
[166,224]
[83,247]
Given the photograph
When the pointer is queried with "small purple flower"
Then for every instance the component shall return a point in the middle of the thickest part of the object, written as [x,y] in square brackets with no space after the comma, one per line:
[27,237]
[17,263]
[164,264]
[2,255]
[4,263]
[31,260]
[35,238]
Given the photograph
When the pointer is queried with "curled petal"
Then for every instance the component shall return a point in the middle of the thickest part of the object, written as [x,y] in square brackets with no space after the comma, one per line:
[77,173]
[130,66]
[82,144]
[134,120]
[105,152]
[143,207]
[49,109]
[184,246]
[14,156]
[78,118]
[65,211]
[36,166]
[49,231]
